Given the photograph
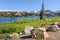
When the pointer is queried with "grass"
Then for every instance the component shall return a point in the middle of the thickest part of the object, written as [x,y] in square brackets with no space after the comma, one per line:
[4,35]
[19,25]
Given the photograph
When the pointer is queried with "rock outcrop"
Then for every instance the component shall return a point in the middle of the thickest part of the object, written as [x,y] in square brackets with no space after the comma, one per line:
[14,35]
[39,33]
[52,28]
[28,29]
[57,23]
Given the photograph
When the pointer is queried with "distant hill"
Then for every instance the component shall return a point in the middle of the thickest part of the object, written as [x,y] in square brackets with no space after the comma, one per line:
[51,13]
[14,13]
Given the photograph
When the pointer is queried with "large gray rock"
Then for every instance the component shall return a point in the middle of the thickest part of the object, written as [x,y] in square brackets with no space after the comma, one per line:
[39,33]
[57,23]
[52,28]
[28,29]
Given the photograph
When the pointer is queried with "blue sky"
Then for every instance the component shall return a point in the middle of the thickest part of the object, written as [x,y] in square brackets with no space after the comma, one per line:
[29,5]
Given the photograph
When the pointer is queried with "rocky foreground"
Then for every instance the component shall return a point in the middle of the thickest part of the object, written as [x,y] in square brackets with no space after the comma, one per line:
[53,36]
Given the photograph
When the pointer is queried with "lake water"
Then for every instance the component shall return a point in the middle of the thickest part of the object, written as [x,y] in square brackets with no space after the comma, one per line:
[12,19]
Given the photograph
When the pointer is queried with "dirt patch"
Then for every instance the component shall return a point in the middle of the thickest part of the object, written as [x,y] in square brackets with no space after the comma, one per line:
[54,35]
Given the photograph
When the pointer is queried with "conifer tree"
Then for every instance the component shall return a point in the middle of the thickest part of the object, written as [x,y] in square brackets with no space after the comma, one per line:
[42,12]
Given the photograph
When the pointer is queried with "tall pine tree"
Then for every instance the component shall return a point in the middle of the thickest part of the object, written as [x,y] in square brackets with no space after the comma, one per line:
[42,12]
